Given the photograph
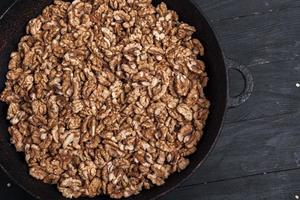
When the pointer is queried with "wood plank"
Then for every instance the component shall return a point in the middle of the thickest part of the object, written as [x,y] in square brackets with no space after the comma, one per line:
[253,147]
[261,39]
[275,186]
[233,9]
[269,46]
[275,91]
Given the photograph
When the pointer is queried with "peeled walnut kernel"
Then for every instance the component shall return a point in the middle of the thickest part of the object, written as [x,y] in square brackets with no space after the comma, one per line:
[106,96]
[185,111]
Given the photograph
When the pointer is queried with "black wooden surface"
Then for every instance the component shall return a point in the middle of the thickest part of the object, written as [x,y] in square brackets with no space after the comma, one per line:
[258,154]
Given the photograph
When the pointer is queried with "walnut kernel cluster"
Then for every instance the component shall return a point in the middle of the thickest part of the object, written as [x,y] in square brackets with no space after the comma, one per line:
[106,96]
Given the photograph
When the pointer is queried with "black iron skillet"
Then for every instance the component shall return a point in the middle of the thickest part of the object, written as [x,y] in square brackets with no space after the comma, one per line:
[12,27]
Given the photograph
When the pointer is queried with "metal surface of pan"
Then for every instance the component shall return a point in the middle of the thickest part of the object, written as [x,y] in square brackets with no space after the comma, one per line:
[13,27]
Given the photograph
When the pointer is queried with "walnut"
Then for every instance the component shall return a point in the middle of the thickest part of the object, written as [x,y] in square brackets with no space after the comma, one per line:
[185,111]
[184,132]
[182,163]
[77,106]
[106,96]
[94,187]
[17,138]
[182,84]
[37,173]
[87,170]
[70,187]
[196,66]
[68,140]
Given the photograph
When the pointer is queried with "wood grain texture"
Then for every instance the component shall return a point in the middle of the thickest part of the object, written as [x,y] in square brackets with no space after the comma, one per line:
[276,186]
[270,47]
[261,38]
[275,92]
[258,154]
[253,147]
[235,9]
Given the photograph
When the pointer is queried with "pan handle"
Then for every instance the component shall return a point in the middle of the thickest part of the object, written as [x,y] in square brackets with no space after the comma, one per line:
[248,89]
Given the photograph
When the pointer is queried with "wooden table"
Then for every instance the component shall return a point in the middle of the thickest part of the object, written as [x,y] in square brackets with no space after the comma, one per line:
[258,154]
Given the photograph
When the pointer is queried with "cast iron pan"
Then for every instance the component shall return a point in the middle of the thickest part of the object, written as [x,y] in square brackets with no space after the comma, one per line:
[13,27]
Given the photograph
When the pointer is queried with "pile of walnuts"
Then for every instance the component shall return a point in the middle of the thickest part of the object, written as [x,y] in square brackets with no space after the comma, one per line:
[106,96]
